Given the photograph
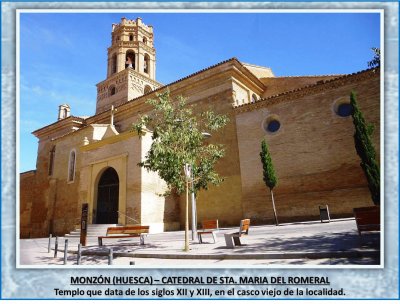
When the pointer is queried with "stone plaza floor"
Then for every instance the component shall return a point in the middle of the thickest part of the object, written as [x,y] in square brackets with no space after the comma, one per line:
[303,243]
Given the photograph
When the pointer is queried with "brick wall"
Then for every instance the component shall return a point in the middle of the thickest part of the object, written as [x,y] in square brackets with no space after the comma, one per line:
[313,152]
[27,186]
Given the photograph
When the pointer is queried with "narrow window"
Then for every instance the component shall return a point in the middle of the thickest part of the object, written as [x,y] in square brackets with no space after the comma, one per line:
[51,160]
[114,64]
[146,67]
[71,166]
[112,91]
[131,37]
[144,40]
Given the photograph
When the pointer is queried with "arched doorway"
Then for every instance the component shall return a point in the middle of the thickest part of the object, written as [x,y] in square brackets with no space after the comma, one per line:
[107,197]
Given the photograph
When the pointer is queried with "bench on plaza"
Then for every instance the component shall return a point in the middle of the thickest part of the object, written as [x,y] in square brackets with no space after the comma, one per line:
[209,227]
[367,219]
[125,232]
[233,239]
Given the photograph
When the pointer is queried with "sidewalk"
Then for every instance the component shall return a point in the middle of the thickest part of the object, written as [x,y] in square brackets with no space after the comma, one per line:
[311,243]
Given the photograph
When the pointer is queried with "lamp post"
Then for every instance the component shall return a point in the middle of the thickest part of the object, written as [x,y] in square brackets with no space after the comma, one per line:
[194,211]
[188,175]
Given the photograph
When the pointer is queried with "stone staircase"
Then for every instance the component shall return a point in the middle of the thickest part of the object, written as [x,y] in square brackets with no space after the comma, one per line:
[94,230]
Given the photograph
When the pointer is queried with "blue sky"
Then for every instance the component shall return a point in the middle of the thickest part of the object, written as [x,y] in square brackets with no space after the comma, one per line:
[64,55]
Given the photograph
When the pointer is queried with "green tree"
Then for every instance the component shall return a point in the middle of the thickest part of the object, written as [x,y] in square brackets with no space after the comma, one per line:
[269,173]
[376,61]
[178,139]
[365,150]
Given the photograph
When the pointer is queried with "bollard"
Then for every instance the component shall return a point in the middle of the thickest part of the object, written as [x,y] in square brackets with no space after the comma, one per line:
[110,257]
[78,262]
[56,247]
[65,252]
[49,247]
[132,263]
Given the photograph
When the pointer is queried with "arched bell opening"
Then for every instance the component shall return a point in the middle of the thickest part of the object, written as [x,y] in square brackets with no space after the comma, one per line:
[146,67]
[130,60]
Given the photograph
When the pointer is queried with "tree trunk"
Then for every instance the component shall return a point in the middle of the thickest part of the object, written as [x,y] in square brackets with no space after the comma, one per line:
[273,206]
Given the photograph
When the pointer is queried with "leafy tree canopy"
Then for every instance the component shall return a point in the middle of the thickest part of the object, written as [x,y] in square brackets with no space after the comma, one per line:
[376,61]
[179,138]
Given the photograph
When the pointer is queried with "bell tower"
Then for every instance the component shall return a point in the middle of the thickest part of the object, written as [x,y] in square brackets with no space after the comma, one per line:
[131,64]
[132,46]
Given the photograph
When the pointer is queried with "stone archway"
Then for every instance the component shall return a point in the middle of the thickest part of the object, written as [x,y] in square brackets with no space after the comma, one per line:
[130,60]
[108,197]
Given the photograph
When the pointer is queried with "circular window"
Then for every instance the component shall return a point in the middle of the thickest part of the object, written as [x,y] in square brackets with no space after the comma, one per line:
[342,107]
[271,124]
[344,110]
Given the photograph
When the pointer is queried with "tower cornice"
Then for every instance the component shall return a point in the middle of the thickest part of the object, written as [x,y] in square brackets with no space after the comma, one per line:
[131,44]
[120,75]
[128,24]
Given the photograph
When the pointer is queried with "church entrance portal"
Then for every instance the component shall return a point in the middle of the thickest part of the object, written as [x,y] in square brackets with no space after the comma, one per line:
[107,198]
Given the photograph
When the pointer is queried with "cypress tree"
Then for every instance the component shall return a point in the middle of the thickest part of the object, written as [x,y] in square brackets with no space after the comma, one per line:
[365,150]
[269,176]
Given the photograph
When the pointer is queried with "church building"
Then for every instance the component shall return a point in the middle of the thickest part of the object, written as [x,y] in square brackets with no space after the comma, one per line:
[306,121]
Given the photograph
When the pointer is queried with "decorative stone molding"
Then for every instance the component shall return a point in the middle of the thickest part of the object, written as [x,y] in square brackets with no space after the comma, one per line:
[108,140]
[68,124]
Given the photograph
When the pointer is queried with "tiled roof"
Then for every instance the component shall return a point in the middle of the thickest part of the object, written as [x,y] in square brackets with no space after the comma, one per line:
[69,133]
[80,119]
[314,85]
[305,76]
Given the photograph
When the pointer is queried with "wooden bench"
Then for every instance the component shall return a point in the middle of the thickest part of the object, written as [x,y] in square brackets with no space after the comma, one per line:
[125,232]
[367,219]
[233,239]
[209,227]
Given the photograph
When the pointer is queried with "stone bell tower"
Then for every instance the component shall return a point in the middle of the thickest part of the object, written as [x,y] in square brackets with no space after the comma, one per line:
[131,65]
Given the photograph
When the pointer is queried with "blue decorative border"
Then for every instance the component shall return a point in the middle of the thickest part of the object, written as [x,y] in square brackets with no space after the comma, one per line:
[6,148]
